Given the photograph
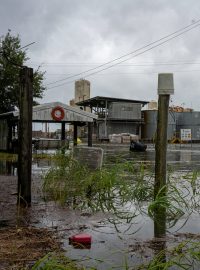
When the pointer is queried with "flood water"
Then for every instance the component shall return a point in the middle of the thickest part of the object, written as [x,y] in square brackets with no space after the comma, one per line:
[115,242]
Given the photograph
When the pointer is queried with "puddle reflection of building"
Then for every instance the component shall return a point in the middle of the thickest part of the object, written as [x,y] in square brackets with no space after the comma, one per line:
[8,167]
[42,163]
[185,156]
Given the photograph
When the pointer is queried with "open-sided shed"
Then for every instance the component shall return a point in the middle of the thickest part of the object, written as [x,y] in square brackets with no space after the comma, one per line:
[55,112]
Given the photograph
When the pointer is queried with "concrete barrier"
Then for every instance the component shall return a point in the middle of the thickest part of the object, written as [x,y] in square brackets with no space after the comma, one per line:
[92,157]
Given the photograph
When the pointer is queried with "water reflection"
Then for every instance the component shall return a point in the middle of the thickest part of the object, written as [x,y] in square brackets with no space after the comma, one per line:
[159,241]
[178,157]
[38,166]
[8,167]
[113,239]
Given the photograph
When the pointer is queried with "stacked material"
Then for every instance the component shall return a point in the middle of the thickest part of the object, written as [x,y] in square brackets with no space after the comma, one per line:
[115,138]
[134,137]
[125,138]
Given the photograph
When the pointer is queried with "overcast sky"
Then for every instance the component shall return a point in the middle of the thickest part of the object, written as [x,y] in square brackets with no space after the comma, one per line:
[76,35]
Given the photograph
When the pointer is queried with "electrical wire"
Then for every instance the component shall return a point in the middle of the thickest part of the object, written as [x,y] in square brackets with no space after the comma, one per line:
[122,61]
[6,56]
[174,34]
[137,65]
[186,62]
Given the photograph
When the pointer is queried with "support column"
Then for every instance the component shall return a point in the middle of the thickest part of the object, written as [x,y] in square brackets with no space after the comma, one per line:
[75,134]
[106,127]
[63,131]
[9,138]
[90,134]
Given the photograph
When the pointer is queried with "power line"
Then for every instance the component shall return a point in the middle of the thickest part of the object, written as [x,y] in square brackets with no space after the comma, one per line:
[179,62]
[6,55]
[139,65]
[146,46]
[27,45]
[122,61]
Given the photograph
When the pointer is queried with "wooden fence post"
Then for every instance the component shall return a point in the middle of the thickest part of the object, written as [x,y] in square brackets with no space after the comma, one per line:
[25,136]
[165,88]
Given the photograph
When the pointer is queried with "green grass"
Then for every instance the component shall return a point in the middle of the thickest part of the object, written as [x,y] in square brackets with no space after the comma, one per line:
[8,156]
[57,262]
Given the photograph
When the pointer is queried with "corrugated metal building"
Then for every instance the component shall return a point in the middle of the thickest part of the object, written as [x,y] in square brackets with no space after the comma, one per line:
[115,115]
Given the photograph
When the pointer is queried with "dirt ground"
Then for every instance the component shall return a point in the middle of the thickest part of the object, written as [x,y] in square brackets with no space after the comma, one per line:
[21,243]
[21,247]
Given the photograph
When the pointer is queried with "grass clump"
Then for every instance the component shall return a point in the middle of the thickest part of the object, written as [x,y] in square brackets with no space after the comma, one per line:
[54,261]
[185,255]
[108,189]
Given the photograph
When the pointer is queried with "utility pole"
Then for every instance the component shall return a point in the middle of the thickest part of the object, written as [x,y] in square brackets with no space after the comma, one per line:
[25,136]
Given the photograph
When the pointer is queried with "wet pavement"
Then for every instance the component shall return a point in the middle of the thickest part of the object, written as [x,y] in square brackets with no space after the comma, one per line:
[114,242]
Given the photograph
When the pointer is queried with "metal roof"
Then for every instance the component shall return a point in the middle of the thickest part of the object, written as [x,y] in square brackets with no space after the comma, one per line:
[100,101]
[43,113]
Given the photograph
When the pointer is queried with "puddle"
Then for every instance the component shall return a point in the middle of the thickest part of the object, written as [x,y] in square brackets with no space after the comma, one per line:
[115,242]
[8,167]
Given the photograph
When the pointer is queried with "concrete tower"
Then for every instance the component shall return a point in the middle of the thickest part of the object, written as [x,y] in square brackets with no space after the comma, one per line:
[82,90]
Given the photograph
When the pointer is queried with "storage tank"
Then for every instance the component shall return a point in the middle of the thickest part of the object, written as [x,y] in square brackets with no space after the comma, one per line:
[189,120]
[150,124]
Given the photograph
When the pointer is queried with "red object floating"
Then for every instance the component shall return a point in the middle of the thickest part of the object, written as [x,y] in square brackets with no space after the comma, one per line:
[81,238]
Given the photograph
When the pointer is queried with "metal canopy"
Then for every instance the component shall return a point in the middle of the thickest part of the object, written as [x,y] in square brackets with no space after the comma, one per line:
[100,101]
[71,114]
[43,113]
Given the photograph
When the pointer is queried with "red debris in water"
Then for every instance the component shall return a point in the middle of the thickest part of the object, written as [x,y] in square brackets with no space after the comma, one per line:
[81,238]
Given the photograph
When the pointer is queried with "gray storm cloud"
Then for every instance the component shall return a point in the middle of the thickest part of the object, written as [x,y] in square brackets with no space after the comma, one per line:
[73,36]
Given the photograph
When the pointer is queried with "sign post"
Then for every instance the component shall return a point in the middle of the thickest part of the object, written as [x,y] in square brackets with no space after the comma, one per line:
[186,135]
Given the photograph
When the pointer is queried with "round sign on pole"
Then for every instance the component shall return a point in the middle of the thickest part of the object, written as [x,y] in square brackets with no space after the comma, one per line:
[58,113]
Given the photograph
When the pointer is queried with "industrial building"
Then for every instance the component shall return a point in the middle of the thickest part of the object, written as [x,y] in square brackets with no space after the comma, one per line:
[177,121]
[125,116]
[115,116]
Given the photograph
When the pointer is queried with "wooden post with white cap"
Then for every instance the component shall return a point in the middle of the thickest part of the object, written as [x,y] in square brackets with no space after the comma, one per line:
[165,88]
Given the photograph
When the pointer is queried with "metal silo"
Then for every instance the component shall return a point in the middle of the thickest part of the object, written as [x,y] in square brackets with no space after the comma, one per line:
[150,124]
